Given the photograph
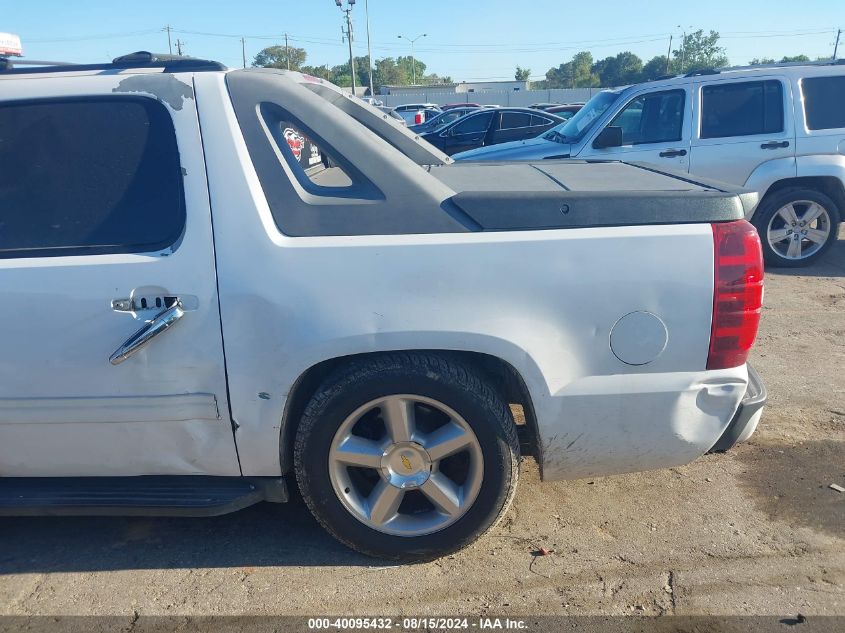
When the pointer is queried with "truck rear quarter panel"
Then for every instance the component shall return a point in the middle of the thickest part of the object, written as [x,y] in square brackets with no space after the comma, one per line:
[543,301]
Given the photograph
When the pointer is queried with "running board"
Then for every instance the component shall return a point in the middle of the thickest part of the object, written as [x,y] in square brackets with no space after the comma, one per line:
[133,496]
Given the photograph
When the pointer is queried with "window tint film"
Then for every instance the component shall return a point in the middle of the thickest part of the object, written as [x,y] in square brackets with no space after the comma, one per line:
[88,176]
[824,102]
[513,120]
[657,117]
[473,124]
[741,109]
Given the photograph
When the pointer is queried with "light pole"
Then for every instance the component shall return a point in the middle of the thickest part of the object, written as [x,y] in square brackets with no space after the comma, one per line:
[369,47]
[413,57]
[349,36]
[683,47]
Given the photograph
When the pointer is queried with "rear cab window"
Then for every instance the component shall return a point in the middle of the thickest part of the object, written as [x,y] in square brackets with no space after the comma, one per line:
[87,176]
[824,102]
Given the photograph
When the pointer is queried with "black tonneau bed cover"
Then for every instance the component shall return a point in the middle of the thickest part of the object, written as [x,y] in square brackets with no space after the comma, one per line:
[575,193]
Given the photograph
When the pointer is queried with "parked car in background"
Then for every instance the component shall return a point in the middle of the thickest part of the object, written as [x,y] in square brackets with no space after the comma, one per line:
[491,126]
[777,129]
[543,106]
[416,113]
[450,106]
[372,101]
[442,119]
[392,114]
[565,111]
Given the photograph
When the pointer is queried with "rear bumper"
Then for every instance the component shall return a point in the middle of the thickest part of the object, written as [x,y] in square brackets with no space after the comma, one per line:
[606,425]
[747,415]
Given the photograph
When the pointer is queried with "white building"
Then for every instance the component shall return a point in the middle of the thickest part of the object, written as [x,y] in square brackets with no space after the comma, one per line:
[457,88]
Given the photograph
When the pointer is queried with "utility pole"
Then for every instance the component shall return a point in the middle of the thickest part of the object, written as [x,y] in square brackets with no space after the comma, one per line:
[349,36]
[683,48]
[669,54]
[168,28]
[287,51]
[179,47]
[243,50]
[413,57]
[836,46]
[369,47]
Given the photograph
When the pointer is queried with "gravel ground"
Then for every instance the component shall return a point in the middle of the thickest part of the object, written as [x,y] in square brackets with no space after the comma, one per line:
[754,531]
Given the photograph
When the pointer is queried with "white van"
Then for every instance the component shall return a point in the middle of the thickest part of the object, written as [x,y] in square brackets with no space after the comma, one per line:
[778,129]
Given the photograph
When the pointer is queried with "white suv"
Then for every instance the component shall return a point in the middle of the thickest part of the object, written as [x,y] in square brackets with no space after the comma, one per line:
[779,130]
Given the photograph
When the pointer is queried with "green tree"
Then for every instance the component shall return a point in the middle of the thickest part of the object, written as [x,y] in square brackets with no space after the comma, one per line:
[761,60]
[408,63]
[698,51]
[279,56]
[341,76]
[388,73]
[795,58]
[619,70]
[582,71]
[324,72]
[656,67]
[577,73]
[522,74]
[559,77]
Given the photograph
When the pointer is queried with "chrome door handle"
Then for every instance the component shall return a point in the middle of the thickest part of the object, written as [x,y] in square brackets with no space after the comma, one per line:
[160,323]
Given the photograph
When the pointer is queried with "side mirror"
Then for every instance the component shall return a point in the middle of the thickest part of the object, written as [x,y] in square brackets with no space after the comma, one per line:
[611,136]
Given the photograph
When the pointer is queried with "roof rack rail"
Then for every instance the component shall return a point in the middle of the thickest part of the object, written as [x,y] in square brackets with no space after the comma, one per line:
[819,62]
[703,71]
[139,59]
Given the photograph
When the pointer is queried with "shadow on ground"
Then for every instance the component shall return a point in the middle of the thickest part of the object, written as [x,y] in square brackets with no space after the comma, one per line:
[791,483]
[260,536]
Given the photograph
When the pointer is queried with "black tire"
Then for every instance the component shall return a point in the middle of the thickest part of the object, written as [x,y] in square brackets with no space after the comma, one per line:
[433,376]
[772,204]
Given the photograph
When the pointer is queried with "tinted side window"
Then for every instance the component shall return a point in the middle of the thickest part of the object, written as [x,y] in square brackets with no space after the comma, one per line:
[824,102]
[474,123]
[741,109]
[540,120]
[657,117]
[88,176]
[512,120]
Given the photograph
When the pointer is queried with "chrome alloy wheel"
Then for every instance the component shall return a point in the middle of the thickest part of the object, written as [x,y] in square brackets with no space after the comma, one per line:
[799,229]
[406,465]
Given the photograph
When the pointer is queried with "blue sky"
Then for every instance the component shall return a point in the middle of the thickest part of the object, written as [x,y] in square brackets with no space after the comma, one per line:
[468,40]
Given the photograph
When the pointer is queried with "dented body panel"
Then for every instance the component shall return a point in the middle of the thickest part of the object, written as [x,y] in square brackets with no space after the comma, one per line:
[551,303]
[543,301]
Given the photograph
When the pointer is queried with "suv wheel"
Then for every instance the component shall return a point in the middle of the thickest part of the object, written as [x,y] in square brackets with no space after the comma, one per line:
[407,456]
[796,226]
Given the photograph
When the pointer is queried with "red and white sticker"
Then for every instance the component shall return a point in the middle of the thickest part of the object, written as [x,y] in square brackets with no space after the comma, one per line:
[296,142]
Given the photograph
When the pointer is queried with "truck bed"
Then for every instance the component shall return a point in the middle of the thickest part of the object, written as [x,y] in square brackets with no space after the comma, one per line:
[571,194]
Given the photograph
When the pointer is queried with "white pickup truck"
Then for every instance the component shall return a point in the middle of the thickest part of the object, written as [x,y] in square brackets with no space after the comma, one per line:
[215,281]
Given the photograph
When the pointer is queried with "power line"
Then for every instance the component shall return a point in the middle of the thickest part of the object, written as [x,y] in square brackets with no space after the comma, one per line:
[313,39]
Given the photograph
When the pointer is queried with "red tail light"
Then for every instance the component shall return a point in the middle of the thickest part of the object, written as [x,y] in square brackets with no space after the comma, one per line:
[419,118]
[737,295]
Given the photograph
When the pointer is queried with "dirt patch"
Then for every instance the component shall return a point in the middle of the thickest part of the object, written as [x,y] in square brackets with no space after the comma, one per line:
[791,483]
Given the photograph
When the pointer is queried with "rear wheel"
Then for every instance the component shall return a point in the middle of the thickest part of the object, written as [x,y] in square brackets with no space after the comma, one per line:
[796,226]
[407,456]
